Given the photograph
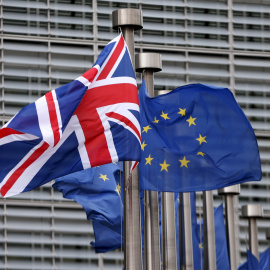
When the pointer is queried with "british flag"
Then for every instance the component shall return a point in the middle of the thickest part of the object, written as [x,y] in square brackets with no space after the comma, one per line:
[91,121]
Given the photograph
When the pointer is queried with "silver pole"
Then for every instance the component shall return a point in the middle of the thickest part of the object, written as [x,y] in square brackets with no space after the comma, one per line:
[148,63]
[252,212]
[267,233]
[209,231]
[169,255]
[229,193]
[168,232]
[130,20]
[185,232]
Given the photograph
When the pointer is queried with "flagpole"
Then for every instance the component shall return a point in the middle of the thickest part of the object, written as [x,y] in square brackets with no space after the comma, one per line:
[169,255]
[267,234]
[168,230]
[228,193]
[252,212]
[209,231]
[185,233]
[129,20]
[148,63]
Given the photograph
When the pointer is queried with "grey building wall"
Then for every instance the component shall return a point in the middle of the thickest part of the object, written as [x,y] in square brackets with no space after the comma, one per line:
[47,43]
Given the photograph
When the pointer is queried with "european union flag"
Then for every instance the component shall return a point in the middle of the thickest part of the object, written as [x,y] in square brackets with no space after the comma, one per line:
[252,261]
[253,264]
[195,138]
[222,257]
[265,260]
[98,191]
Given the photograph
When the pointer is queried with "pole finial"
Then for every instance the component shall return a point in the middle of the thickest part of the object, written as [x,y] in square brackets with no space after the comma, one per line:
[127,17]
[233,190]
[150,61]
[252,211]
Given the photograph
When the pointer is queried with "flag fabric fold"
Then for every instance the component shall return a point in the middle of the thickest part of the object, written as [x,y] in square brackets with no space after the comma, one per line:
[98,191]
[252,262]
[222,257]
[265,260]
[91,121]
[198,133]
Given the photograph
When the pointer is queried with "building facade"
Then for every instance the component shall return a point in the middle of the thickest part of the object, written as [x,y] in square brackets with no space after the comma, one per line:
[48,43]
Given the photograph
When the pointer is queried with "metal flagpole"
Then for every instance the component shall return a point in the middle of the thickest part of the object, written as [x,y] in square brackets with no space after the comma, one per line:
[252,212]
[169,255]
[209,231]
[148,63]
[267,233]
[129,20]
[185,233]
[229,193]
[168,231]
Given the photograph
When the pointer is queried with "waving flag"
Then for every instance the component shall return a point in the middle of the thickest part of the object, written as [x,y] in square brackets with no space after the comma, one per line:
[98,191]
[195,138]
[91,121]
[252,262]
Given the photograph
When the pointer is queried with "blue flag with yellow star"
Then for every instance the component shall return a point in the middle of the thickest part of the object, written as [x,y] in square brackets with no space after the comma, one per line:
[195,138]
[98,190]
[222,257]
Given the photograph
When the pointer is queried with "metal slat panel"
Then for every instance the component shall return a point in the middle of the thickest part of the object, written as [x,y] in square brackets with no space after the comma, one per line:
[42,49]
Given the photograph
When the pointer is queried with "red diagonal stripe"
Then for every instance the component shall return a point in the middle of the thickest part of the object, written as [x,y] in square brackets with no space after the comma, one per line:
[95,140]
[8,131]
[114,57]
[14,177]
[124,120]
[53,117]
[90,74]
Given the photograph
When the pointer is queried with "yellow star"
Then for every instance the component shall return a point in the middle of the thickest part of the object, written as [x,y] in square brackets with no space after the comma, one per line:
[155,120]
[115,163]
[143,145]
[104,177]
[182,112]
[201,154]
[201,139]
[145,129]
[118,189]
[201,245]
[184,162]
[164,166]
[148,160]
[191,121]
[164,115]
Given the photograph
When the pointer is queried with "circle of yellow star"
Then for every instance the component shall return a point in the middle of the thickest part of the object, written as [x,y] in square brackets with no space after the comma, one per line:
[145,129]
[201,139]
[155,120]
[148,160]
[164,166]
[143,145]
[191,121]
[165,116]
[184,162]
[118,189]
[201,154]
[104,177]
[182,112]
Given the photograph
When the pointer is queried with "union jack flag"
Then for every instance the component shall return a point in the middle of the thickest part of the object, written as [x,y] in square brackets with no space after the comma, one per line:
[91,121]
